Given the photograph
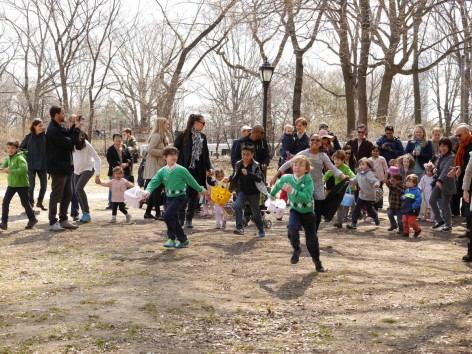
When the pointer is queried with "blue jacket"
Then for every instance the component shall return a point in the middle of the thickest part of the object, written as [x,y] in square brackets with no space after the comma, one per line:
[299,144]
[411,199]
[426,152]
[390,149]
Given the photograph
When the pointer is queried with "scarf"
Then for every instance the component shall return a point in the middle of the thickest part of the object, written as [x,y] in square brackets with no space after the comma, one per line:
[459,160]
[197,147]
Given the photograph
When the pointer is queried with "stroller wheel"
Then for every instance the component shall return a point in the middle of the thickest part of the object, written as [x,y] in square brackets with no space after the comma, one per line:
[267,224]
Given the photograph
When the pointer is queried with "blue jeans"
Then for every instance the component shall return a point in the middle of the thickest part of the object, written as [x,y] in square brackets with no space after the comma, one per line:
[370,210]
[308,221]
[391,213]
[171,218]
[254,204]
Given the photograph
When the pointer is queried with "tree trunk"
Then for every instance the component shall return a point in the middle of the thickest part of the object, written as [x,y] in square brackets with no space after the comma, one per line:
[384,96]
[362,103]
[297,88]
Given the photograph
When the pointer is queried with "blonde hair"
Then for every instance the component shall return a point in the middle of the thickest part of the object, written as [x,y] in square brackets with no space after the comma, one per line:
[425,139]
[412,178]
[159,129]
[300,159]
[302,120]
[410,158]
[287,126]
[368,162]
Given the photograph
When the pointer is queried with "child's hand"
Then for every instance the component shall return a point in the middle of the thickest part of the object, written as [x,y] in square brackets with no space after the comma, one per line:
[287,187]
[205,192]
[97,180]
[146,195]
[209,174]
[6,170]
[244,171]
[225,180]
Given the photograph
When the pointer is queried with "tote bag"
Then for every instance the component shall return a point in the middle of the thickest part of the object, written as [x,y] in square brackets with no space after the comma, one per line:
[348,199]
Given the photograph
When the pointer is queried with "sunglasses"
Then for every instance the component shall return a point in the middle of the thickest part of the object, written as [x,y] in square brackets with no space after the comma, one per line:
[458,135]
[361,132]
[347,153]
[203,123]
[324,127]
[315,139]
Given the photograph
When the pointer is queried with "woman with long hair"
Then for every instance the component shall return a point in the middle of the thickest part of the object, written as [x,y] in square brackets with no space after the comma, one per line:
[195,157]
[158,139]
[35,143]
[421,149]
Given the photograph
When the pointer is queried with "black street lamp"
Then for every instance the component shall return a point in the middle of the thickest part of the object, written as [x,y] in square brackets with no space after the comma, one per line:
[266,70]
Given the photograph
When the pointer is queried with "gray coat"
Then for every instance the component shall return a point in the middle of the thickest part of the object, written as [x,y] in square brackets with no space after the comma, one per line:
[366,181]
[444,167]
[154,158]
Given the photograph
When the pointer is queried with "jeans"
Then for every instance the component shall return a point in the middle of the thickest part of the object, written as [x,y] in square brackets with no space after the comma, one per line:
[23,194]
[436,196]
[391,213]
[43,182]
[308,221]
[370,210]
[79,184]
[61,192]
[254,204]
[174,229]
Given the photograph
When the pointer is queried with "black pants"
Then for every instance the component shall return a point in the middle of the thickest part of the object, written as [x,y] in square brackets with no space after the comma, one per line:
[318,207]
[61,192]
[43,182]
[307,220]
[156,198]
[23,193]
[192,202]
[116,205]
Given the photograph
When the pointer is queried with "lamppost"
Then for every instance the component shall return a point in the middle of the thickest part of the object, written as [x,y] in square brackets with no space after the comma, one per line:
[266,70]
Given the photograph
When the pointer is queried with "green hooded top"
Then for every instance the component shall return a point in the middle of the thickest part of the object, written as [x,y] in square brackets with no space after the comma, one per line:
[18,176]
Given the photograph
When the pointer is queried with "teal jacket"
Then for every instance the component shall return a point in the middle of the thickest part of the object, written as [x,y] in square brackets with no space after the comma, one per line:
[18,176]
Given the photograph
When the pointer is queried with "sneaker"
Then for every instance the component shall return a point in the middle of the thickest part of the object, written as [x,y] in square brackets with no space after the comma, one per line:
[169,244]
[149,216]
[391,228]
[128,218]
[183,244]
[399,232]
[84,219]
[238,231]
[112,220]
[377,223]
[223,225]
[339,225]
[351,226]
[30,224]
[368,220]
[3,225]
[296,256]
[261,233]
[56,227]
[75,218]
[405,234]
[438,224]
[467,258]
[67,225]
[417,233]
[446,229]
[109,207]
[319,267]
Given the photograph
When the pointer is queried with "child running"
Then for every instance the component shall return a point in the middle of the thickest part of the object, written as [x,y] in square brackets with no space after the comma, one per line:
[396,188]
[411,199]
[175,179]
[118,186]
[220,214]
[299,187]
[16,167]
[367,183]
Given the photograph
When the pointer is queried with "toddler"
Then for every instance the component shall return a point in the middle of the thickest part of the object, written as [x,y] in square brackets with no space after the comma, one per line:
[218,210]
[411,203]
[367,184]
[426,187]
[396,188]
[286,141]
[380,171]
[118,186]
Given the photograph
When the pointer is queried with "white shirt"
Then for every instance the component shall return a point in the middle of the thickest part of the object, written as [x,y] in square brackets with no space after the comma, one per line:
[86,160]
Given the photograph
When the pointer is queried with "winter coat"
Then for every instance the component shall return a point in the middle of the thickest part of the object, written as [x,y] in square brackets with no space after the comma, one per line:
[365,150]
[366,181]
[18,176]
[299,143]
[36,147]
[411,201]
[114,160]
[60,143]
[426,152]
[394,195]
[261,150]
[185,149]
[390,148]
[154,158]
[444,167]
[255,174]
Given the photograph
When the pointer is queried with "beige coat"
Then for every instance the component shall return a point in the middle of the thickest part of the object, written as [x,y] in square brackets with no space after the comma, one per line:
[154,158]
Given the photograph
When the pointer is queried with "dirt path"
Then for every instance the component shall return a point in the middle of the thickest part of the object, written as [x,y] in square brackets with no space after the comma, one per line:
[114,288]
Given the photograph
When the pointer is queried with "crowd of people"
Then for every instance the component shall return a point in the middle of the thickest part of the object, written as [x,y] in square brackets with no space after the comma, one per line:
[427,179]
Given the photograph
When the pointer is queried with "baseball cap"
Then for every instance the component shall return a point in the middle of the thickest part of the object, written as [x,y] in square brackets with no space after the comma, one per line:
[323,125]
[245,127]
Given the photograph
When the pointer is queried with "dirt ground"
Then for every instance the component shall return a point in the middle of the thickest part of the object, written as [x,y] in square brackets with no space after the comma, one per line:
[115,288]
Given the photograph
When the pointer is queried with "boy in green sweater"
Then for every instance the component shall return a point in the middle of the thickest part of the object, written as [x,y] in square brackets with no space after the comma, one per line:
[339,158]
[16,167]
[299,187]
[175,178]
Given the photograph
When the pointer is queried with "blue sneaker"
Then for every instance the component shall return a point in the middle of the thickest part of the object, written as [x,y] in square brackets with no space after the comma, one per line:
[262,234]
[170,243]
[84,219]
[183,244]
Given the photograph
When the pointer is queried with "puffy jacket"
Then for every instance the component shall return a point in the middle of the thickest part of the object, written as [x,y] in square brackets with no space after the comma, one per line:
[60,143]
[390,149]
[18,176]
[411,199]
[36,147]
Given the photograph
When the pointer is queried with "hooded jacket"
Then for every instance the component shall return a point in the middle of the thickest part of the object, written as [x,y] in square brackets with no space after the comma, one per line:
[366,181]
[18,176]
[411,199]
[36,147]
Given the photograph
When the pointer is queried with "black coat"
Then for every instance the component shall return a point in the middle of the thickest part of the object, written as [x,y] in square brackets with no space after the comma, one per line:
[36,147]
[333,200]
[185,151]
[114,160]
[60,143]
[261,150]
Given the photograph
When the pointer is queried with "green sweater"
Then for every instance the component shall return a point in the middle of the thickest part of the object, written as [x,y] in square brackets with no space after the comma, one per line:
[18,176]
[175,181]
[344,169]
[301,199]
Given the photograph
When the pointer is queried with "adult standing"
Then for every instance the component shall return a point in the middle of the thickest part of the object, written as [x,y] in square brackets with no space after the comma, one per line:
[261,148]
[421,149]
[324,126]
[319,161]
[194,156]
[301,140]
[60,143]
[35,143]
[118,155]
[327,145]
[389,145]
[361,146]
[157,141]
[436,135]
[444,186]
[86,164]
[236,146]
[133,148]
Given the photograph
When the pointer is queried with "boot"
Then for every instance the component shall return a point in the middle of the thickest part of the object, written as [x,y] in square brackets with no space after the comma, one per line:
[40,205]
[188,223]
[468,256]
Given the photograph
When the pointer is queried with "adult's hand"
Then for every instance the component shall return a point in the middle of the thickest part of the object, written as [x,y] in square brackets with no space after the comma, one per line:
[273,180]
[263,167]
[466,196]
[452,172]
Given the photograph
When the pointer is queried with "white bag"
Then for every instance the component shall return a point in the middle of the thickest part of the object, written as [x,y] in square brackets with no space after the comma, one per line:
[277,207]
[133,196]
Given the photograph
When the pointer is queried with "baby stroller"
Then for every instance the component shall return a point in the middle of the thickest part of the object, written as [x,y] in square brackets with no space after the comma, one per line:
[247,213]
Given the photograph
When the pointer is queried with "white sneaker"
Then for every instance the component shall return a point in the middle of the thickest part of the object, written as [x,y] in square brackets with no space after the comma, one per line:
[128,218]
[56,227]
[67,225]
[112,220]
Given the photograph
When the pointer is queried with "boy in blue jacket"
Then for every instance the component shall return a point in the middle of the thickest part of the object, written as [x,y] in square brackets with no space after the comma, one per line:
[411,203]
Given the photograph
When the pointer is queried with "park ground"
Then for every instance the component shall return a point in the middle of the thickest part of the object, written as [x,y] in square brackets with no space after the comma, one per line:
[115,288]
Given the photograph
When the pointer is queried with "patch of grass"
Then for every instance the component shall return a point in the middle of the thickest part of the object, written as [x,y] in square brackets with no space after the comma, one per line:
[374,334]
[421,302]
[389,320]
[132,330]
[149,308]
[88,302]
[104,326]
[239,310]
[463,281]
[322,336]
[208,318]
[246,348]
[109,302]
